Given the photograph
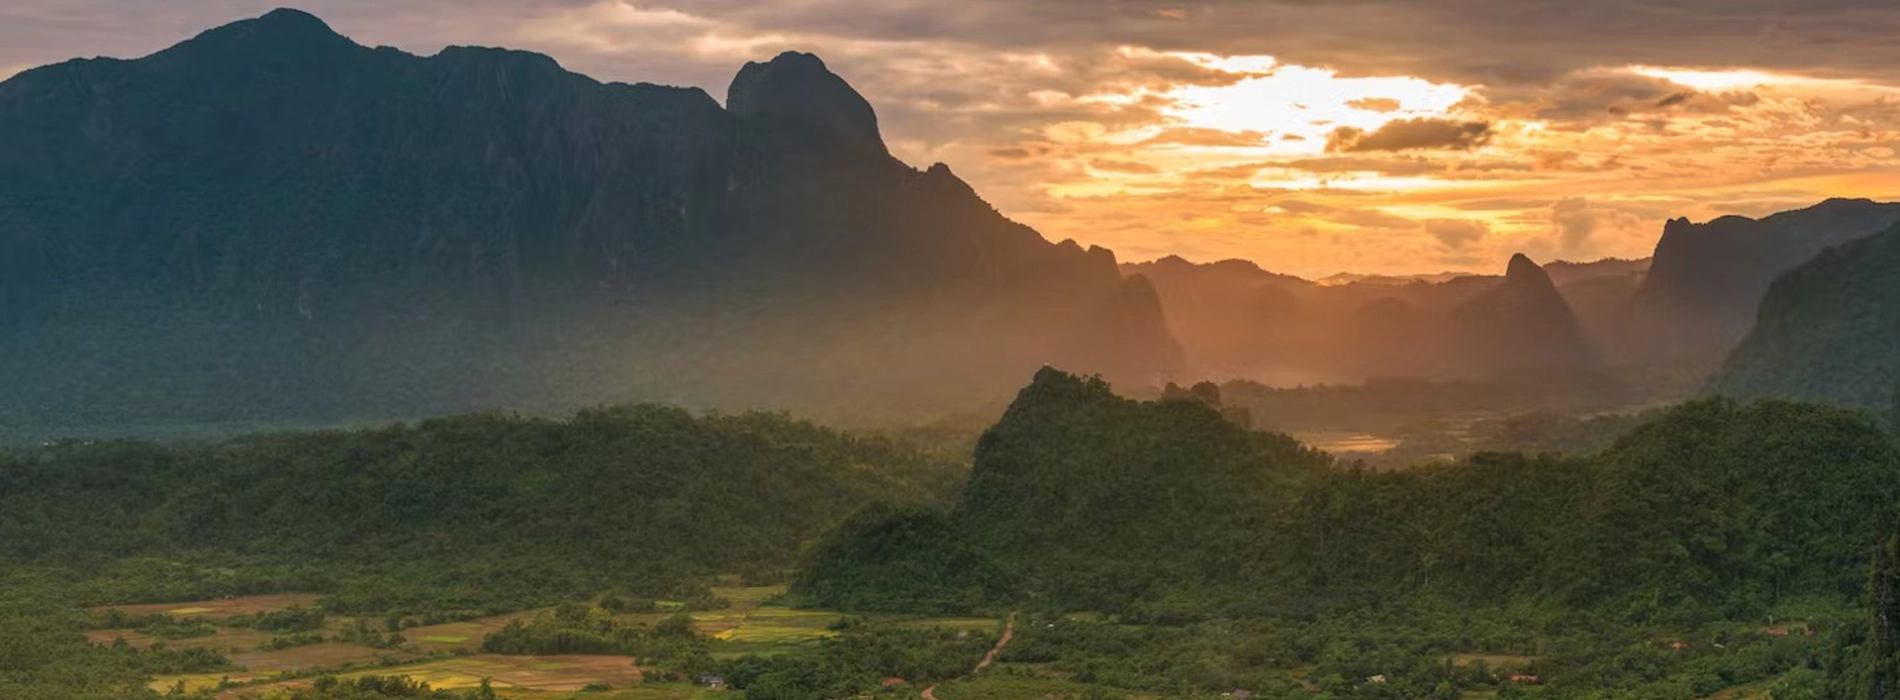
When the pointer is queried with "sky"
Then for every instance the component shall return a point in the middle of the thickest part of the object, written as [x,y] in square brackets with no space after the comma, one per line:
[1310,136]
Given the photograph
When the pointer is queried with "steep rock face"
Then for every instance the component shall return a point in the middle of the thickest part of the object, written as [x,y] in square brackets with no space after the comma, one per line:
[1829,331]
[1520,323]
[271,222]
[798,88]
[1700,295]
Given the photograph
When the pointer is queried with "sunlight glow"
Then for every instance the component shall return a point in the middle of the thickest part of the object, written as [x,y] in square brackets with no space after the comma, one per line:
[1307,102]
[1743,79]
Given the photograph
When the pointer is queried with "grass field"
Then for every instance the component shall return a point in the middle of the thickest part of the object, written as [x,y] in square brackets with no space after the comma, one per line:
[466,635]
[552,674]
[217,609]
[314,656]
[752,624]
[224,638]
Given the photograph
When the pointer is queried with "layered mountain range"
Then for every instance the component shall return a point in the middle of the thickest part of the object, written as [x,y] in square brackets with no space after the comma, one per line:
[269,221]
[1687,307]
[1237,320]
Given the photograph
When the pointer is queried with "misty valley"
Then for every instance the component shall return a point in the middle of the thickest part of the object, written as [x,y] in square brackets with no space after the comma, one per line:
[331,371]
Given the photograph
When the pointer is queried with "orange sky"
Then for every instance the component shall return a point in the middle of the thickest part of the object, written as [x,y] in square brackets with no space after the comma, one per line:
[1360,135]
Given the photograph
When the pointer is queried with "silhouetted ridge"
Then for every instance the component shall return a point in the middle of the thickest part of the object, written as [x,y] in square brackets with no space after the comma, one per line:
[282,36]
[1522,323]
[798,86]
[269,221]
[1706,281]
[1522,269]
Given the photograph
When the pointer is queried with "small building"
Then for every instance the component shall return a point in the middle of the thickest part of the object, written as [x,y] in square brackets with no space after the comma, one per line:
[1522,678]
[713,682]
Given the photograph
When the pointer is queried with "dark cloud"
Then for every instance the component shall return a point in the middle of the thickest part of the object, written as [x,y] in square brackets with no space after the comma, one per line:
[1589,97]
[1493,42]
[1454,233]
[1410,134]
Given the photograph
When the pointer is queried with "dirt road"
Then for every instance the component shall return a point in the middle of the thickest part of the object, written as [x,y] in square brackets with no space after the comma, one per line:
[1009,632]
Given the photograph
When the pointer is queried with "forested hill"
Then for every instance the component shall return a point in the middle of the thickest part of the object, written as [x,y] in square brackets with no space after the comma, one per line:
[482,512]
[1828,331]
[270,222]
[1707,279]
[1164,510]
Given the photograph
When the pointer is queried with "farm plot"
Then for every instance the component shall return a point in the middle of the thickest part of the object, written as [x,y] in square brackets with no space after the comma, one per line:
[217,609]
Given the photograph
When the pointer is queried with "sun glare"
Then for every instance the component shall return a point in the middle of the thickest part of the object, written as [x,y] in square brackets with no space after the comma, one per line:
[1306,103]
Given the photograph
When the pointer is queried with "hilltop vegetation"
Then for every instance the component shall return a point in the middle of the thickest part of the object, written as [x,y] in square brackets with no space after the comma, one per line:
[1081,500]
[1829,331]
[472,513]
[1167,550]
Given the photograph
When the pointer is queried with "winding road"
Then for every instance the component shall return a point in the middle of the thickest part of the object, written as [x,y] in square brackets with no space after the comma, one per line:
[1009,631]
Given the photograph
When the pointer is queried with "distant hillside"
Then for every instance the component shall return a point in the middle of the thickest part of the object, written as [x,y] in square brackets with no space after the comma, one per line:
[1236,320]
[1828,331]
[1082,500]
[1700,296]
[271,222]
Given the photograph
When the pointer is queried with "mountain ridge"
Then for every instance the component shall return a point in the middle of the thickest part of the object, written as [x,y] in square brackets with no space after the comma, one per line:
[271,221]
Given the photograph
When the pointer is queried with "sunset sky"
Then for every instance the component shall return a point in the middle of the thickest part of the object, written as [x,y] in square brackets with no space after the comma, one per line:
[1312,137]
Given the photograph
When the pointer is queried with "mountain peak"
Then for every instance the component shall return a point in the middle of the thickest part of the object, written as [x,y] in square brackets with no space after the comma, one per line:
[1522,267]
[279,36]
[285,24]
[798,86]
[289,19]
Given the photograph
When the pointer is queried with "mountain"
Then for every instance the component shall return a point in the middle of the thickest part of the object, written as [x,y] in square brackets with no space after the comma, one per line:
[1828,331]
[1702,290]
[1522,322]
[1236,320]
[1078,497]
[271,222]
[1164,511]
